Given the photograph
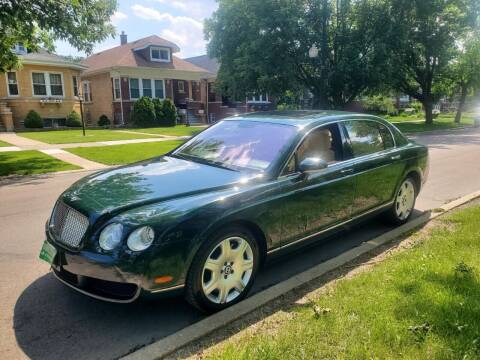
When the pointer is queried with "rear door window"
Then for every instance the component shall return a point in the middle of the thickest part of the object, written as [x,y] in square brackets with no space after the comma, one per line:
[365,137]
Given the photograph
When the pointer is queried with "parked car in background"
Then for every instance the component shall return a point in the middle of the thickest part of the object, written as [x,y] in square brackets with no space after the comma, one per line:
[203,218]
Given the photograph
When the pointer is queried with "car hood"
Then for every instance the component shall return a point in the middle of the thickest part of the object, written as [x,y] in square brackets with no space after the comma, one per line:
[147,182]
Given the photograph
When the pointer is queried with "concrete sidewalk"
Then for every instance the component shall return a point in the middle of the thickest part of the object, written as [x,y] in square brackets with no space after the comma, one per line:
[22,143]
[67,157]
[56,150]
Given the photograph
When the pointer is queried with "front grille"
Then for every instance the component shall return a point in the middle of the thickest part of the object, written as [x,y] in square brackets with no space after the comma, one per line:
[68,225]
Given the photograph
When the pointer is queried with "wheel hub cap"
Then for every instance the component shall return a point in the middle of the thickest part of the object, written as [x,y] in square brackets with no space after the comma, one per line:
[405,200]
[227,270]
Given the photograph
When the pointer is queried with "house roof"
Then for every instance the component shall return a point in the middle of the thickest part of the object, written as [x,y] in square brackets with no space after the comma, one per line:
[127,56]
[43,57]
[206,62]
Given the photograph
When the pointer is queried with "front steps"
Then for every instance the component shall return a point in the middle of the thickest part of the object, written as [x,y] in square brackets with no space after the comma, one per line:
[6,117]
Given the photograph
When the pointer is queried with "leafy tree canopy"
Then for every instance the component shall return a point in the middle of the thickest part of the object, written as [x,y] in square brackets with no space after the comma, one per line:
[263,45]
[424,36]
[40,22]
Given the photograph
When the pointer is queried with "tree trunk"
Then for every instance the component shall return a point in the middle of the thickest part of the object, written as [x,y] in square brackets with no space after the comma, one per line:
[461,103]
[320,102]
[428,105]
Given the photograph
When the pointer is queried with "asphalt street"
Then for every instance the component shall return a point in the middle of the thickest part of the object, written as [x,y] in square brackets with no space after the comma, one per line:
[41,318]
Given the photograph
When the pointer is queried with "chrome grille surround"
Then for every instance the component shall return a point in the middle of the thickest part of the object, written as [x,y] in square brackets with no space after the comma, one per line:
[67,225]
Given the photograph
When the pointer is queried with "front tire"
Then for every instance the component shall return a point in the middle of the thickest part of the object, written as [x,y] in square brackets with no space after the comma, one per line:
[404,203]
[223,270]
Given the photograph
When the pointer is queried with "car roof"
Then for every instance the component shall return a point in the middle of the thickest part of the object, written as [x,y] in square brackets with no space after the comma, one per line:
[301,118]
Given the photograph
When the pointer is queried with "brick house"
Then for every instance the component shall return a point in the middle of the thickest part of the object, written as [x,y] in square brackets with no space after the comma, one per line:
[45,82]
[117,77]
[218,106]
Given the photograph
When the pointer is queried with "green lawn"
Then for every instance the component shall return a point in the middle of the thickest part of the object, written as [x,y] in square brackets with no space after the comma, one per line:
[420,303]
[125,154]
[3,143]
[76,136]
[441,123]
[179,130]
[30,162]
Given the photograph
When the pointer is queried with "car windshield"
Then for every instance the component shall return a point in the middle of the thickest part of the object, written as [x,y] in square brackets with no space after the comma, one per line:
[239,144]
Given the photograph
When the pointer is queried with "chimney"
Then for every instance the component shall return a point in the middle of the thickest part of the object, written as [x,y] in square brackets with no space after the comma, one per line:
[123,38]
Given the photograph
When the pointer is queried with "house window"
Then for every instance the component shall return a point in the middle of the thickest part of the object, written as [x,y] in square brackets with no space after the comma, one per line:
[262,98]
[150,88]
[147,87]
[12,83]
[160,54]
[56,87]
[87,94]
[39,84]
[181,86]
[159,90]
[47,84]
[116,89]
[19,49]
[75,85]
[134,89]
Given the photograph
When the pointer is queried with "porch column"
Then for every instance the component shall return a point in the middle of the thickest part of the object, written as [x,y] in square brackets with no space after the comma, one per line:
[190,92]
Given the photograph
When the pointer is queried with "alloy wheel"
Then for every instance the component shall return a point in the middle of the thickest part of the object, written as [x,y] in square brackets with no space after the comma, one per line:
[405,200]
[227,270]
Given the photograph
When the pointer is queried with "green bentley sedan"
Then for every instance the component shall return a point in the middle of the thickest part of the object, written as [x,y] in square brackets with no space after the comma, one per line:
[202,219]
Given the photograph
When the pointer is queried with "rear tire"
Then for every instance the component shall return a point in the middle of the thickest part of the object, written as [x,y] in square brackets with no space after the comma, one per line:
[404,202]
[223,270]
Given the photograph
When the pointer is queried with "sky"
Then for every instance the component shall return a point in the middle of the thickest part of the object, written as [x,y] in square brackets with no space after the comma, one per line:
[180,21]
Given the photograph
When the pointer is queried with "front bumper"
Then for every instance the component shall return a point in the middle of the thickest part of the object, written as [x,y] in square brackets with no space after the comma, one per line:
[98,276]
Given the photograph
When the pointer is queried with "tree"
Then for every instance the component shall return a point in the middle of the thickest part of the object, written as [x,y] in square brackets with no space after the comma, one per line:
[263,45]
[36,23]
[465,70]
[423,35]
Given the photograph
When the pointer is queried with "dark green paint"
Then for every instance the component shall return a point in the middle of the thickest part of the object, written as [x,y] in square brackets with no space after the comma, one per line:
[185,202]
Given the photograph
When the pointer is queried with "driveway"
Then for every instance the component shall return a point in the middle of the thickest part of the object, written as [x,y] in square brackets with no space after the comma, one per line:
[41,318]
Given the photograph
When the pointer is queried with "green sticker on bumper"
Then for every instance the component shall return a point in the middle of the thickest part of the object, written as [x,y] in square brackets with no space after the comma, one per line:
[48,252]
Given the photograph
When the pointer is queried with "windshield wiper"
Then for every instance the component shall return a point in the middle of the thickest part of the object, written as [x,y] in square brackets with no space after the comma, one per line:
[204,161]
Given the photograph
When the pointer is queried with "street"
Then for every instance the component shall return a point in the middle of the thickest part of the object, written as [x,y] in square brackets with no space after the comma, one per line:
[42,318]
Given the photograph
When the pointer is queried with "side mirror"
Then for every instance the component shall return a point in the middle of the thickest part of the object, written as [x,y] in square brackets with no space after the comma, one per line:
[312,164]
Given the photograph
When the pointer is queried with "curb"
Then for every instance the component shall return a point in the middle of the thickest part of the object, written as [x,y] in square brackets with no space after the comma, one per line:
[171,343]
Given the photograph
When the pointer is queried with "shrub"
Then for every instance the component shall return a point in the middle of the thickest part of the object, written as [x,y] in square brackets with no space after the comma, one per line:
[379,105]
[104,121]
[169,112]
[33,120]
[73,120]
[284,107]
[143,113]
[158,107]
[417,106]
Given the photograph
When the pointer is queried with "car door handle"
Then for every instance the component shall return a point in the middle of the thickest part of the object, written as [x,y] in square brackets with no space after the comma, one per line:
[347,171]
[395,157]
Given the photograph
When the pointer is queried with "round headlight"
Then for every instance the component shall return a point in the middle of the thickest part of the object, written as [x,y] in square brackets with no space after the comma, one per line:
[141,238]
[110,236]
